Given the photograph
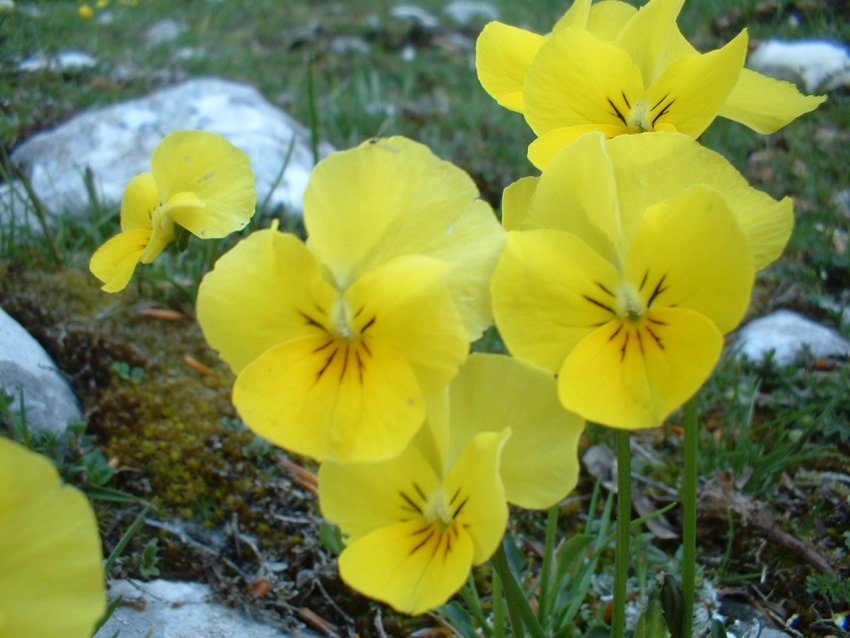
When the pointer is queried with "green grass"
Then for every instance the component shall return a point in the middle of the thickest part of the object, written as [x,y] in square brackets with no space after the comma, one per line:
[770,431]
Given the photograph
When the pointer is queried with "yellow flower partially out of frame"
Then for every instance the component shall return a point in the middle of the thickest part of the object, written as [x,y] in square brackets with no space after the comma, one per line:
[199,181]
[623,284]
[51,571]
[337,342]
[615,69]
[416,524]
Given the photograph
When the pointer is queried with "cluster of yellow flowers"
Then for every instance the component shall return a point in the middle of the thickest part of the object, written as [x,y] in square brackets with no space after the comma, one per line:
[612,279]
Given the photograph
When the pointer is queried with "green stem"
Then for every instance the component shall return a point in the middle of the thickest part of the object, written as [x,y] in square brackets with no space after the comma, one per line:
[689,515]
[518,608]
[624,515]
[498,608]
[548,559]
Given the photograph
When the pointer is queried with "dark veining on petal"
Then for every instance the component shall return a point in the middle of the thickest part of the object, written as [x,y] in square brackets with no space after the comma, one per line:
[616,332]
[617,112]
[604,289]
[454,497]
[344,363]
[419,491]
[626,100]
[368,325]
[327,364]
[640,341]
[625,346]
[655,336]
[323,346]
[599,303]
[422,542]
[663,111]
[659,288]
[310,320]
[359,365]
[643,281]
[411,502]
[459,508]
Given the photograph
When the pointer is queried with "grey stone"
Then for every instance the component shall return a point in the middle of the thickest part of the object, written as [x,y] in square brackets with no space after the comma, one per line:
[27,370]
[787,334]
[116,142]
[168,609]
[469,13]
[813,65]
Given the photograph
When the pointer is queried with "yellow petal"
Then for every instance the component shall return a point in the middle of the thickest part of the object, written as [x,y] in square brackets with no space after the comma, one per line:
[515,201]
[363,497]
[693,242]
[576,16]
[608,18]
[577,194]
[543,149]
[575,79]
[139,201]
[541,291]
[266,290]
[331,400]
[647,34]
[217,172]
[409,566]
[502,56]
[623,377]
[669,159]
[114,262]
[766,105]
[475,493]
[540,461]
[690,92]
[393,197]
[51,573]
[407,306]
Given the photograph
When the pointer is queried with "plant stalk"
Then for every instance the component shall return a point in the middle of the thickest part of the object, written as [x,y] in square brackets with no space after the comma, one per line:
[518,608]
[624,515]
[689,514]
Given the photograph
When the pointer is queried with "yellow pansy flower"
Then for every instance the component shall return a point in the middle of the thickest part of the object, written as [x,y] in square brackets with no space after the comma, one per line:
[615,69]
[336,343]
[626,266]
[199,181]
[51,571]
[416,524]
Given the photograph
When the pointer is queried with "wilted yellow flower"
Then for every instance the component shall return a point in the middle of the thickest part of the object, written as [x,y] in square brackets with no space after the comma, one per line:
[199,181]
[51,572]
[417,523]
[337,342]
[635,257]
[615,69]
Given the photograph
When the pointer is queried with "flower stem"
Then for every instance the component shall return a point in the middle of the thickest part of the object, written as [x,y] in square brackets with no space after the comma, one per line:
[518,608]
[624,515]
[548,559]
[689,514]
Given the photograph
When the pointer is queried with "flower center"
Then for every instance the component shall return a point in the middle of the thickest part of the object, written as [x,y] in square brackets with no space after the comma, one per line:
[629,303]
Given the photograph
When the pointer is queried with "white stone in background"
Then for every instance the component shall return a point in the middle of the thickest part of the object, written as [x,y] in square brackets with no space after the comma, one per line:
[63,61]
[163,31]
[25,368]
[167,609]
[467,13]
[116,142]
[816,66]
[416,14]
[788,334]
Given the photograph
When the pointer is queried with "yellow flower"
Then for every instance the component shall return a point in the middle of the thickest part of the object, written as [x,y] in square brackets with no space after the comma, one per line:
[199,181]
[417,523]
[85,12]
[614,69]
[51,573]
[337,342]
[635,257]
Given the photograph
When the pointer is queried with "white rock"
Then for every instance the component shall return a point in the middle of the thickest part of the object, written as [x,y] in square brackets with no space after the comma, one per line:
[63,61]
[814,65]
[163,31]
[416,14]
[116,143]
[26,369]
[166,609]
[466,13]
[787,334]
